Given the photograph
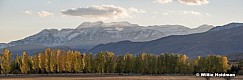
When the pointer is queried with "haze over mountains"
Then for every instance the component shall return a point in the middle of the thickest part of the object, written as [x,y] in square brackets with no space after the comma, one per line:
[221,40]
[90,34]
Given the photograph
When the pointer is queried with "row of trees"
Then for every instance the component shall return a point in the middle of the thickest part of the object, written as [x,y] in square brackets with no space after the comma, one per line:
[58,61]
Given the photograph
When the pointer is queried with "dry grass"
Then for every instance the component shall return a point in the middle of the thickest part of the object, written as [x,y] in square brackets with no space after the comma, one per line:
[116,78]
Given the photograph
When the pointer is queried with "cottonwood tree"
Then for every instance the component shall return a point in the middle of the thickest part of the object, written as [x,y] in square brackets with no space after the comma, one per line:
[16,64]
[110,64]
[59,61]
[6,61]
[34,62]
[63,67]
[52,61]
[120,64]
[47,60]
[153,64]
[77,62]
[129,63]
[69,61]
[24,64]
[100,62]
[41,62]
[225,65]
[88,60]
[161,64]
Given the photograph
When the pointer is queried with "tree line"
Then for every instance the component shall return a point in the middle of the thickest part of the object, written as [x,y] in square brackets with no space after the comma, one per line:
[60,61]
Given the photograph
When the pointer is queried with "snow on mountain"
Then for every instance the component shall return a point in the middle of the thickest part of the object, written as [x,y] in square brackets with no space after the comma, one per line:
[90,34]
[102,24]
[171,29]
[119,24]
[226,41]
[90,24]
[3,45]
[45,37]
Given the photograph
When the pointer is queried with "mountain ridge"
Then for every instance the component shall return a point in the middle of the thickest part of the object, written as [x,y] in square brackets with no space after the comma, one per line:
[95,33]
[224,41]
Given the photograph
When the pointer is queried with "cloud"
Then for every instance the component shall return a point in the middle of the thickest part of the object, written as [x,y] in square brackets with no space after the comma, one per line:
[40,14]
[175,12]
[29,12]
[163,1]
[187,2]
[194,2]
[102,12]
[165,13]
[192,12]
[134,10]
[44,13]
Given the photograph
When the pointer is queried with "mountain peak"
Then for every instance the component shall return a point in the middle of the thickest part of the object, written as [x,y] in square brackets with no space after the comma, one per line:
[90,24]
[102,24]
[49,31]
[205,26]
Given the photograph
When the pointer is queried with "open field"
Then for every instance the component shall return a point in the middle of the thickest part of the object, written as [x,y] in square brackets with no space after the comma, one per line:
[112,77]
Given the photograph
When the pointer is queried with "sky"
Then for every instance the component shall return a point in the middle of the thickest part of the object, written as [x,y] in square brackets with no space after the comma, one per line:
[23,18]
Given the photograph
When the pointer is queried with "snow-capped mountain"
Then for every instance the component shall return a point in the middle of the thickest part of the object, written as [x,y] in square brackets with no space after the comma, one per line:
[90,34]
[225,41]
[102,24]
[45,37]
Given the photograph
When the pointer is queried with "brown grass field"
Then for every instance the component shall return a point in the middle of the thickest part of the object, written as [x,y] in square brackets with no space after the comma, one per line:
[110,77]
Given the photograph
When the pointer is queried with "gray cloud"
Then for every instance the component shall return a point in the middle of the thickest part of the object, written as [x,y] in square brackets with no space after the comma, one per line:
[194,2]
[102,12]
